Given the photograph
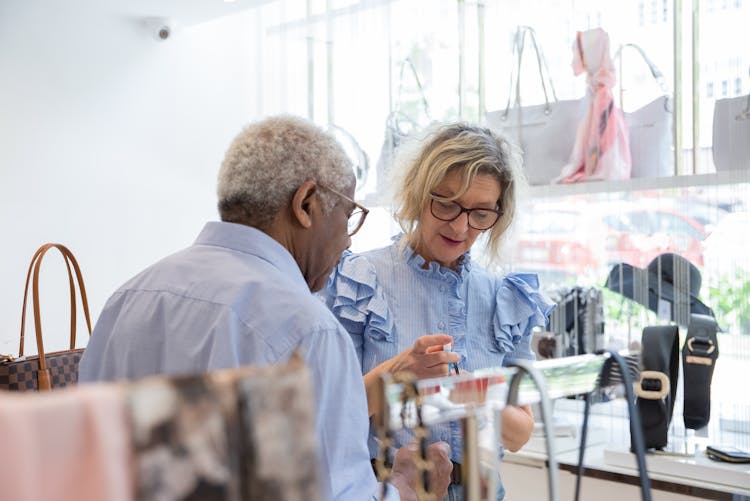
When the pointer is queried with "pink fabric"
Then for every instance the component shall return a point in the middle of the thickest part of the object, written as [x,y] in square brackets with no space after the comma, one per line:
[68,444]
[602,149]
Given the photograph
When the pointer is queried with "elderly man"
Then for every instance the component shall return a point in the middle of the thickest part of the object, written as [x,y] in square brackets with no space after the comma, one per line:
[241,295]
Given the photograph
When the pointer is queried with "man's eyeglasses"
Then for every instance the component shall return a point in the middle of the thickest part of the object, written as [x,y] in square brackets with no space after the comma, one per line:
[449,210]
[358,215]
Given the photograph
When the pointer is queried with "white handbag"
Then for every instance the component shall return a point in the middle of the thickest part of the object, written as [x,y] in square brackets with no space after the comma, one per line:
[731,133]
[651,128]
[545,132]
[398,125]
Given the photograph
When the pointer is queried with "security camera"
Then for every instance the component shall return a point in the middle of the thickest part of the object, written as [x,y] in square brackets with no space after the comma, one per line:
[161,28]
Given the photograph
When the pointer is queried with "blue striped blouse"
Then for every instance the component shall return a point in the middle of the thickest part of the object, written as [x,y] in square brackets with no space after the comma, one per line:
[386,299]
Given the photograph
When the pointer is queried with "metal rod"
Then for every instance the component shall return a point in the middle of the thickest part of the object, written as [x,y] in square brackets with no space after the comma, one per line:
[695,60]
[582,446]
[310,66]
[527,367]
[677,105]
[329,62]
[482,107]
[461,57]
[470,461]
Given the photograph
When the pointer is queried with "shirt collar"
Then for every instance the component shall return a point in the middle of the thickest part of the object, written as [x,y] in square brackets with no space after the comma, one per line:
[251,241]
[436,269]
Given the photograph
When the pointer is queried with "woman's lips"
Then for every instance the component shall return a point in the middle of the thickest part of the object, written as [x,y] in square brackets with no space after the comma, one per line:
[450,241]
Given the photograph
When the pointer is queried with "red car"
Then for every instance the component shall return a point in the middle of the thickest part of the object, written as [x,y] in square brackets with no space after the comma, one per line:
[561,243]
[637,235]
[579,242]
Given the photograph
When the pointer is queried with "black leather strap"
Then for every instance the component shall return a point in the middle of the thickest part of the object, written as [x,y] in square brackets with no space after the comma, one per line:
[657,386]
[699,356]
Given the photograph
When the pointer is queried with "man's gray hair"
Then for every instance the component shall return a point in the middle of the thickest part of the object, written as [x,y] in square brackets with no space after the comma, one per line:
[269,160]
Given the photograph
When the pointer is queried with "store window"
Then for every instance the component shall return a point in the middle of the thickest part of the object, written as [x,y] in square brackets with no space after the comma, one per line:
[345,64]
[641,14]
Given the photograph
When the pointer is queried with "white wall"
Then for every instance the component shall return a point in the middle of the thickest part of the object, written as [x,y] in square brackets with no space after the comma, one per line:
[109,143]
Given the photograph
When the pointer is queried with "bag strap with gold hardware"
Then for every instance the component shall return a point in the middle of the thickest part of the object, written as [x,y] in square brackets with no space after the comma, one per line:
[657,387]
[699,356]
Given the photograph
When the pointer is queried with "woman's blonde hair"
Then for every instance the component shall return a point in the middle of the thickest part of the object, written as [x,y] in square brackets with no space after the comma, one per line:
[469,150]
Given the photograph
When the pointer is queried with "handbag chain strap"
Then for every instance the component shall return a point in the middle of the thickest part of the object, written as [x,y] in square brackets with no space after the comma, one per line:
[385,436]
[545,78]
[409,393]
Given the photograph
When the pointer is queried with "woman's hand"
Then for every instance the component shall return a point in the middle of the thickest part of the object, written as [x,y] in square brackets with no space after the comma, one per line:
[426,357]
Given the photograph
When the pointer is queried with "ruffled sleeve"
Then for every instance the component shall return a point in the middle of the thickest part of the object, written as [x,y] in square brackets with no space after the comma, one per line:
[520,307]
[353,295]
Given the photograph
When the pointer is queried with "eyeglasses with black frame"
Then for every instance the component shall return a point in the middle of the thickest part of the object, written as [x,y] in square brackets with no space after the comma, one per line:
[358,215]
[479,218]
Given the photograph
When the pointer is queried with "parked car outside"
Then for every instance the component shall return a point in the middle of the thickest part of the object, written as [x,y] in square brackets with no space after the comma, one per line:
[639,231]
[563,243]
[579,242]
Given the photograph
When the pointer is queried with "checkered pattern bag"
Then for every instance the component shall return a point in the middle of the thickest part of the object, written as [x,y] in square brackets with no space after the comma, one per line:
[50,370]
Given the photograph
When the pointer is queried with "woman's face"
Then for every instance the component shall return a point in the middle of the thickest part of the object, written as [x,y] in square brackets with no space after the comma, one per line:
[446,241]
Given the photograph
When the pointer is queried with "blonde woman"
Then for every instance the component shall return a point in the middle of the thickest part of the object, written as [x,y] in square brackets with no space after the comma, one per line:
[402,303]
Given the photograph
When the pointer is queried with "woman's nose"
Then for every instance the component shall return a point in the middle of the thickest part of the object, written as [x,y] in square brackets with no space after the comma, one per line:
[461,223]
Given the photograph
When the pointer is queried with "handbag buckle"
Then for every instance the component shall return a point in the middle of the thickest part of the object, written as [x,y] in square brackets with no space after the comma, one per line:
[652,385]
[702,346]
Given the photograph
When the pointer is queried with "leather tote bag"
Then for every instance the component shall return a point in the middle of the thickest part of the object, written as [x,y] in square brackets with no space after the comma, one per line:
[651,126]
[46,370]
[731,133]
[398,125]
[545,132]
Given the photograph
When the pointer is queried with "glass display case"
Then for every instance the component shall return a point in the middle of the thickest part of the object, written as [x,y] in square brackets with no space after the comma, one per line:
[343,65]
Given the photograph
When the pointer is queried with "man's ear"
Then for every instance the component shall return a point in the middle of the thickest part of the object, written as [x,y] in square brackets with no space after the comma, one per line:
[303,203]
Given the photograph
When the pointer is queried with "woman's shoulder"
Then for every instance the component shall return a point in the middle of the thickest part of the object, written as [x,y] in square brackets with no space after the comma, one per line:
[355,297]
[363,266]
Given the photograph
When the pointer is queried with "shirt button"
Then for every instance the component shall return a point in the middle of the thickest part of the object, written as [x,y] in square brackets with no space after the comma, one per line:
[441,325]
[442,288]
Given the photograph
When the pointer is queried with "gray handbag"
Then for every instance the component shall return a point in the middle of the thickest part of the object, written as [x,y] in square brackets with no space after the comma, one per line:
[545,132]
[731,133]
[651,127]
[398,125]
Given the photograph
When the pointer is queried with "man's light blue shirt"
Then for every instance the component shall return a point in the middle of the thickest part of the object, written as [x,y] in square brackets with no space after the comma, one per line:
[237,297]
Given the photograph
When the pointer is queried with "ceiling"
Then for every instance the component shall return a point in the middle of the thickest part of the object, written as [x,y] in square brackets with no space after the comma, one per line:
[185,12]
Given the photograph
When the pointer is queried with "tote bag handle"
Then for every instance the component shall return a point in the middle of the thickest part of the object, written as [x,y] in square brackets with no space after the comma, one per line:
[744,115]
[36,261]
[396,115]
[653,69]
[519,43]
[408,64]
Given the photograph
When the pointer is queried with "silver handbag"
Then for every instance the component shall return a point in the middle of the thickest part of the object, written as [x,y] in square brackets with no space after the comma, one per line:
[545,132]
[651,127]
[731,133]
[398,125]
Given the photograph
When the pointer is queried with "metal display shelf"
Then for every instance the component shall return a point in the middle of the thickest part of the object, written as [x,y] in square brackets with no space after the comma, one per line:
[477,398]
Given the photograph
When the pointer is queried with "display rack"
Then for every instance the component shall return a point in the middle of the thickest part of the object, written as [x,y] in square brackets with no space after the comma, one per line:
[476,400]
